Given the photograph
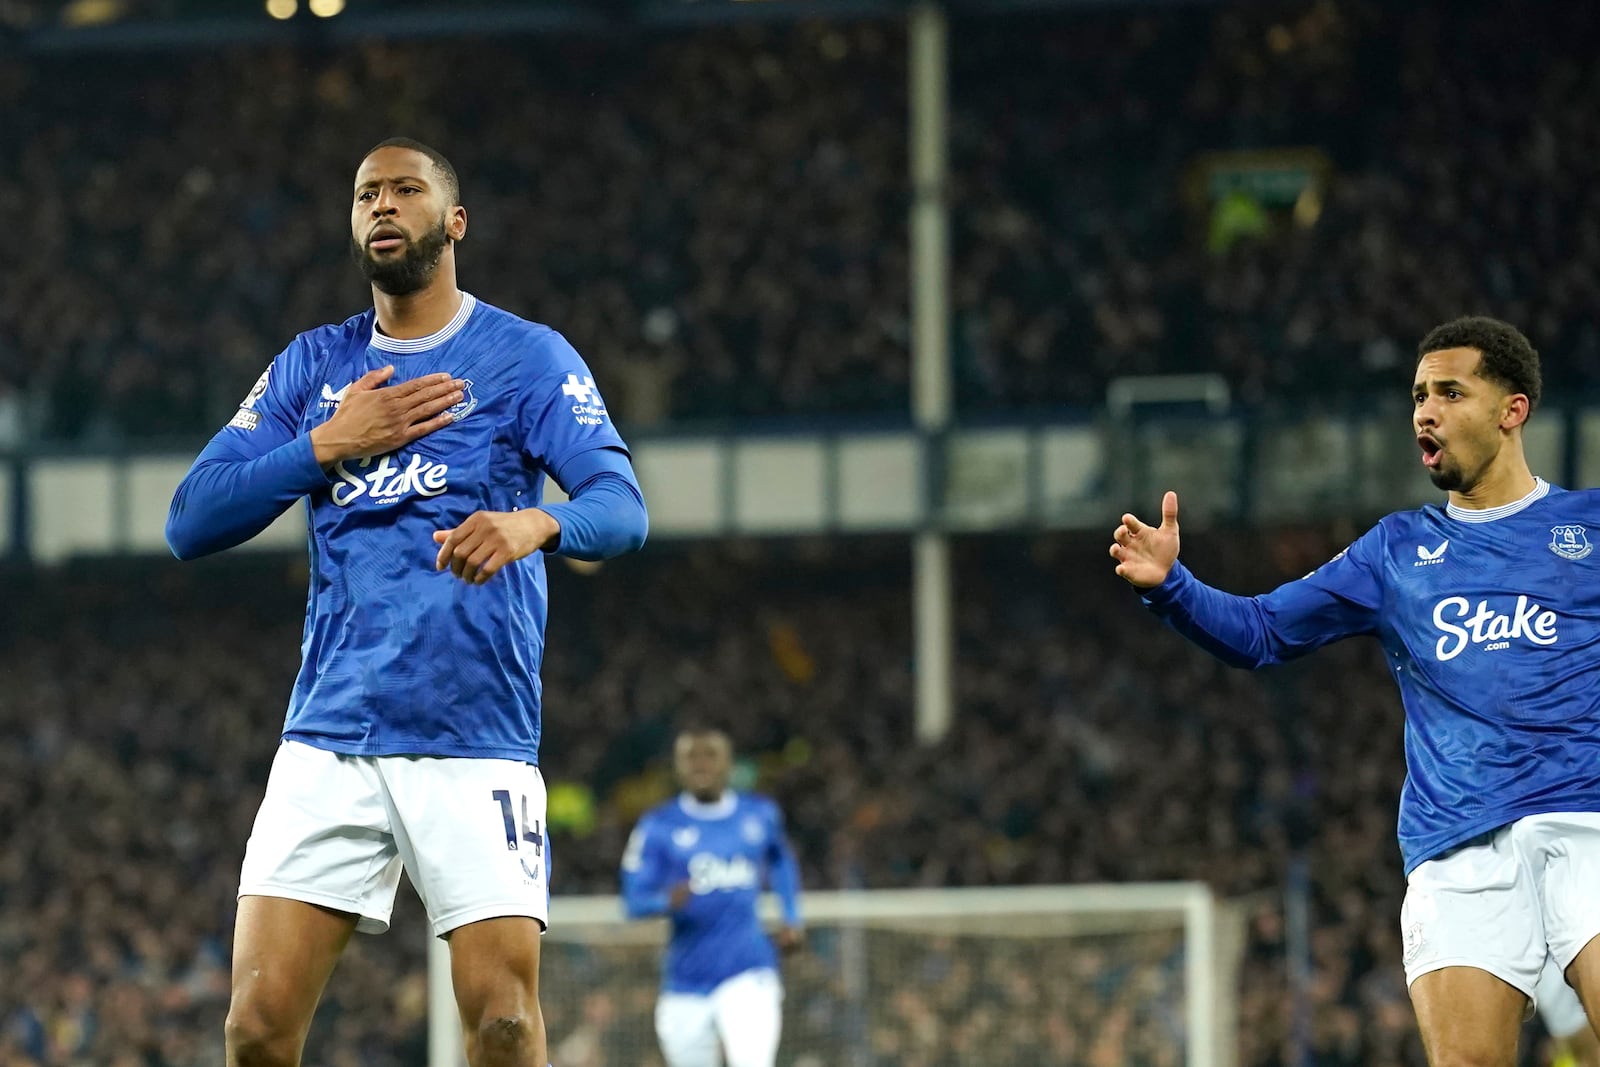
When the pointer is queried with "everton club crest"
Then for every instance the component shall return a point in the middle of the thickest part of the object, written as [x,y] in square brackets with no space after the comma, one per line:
[1569,542]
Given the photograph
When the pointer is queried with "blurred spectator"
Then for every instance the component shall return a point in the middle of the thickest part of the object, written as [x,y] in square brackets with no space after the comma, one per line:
[717,217]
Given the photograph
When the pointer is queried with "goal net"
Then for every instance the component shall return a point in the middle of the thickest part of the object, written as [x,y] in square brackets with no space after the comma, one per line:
[1047,976]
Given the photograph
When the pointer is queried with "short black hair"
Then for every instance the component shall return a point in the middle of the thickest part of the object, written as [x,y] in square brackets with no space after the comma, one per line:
[703,729]
[452,184]
[1508,358]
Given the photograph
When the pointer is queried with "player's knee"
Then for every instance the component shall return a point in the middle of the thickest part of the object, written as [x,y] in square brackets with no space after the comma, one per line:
[254,1039]
[1471,1057]
[504,1038]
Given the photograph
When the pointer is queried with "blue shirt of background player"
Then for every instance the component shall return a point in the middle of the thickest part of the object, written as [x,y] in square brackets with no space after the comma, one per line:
[704,863]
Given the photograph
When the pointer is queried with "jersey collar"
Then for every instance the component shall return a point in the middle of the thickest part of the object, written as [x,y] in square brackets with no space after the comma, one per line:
[433,340]
[720,808]
[1540,490]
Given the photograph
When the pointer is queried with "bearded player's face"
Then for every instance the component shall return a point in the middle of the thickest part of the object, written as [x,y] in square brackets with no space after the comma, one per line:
[400,222]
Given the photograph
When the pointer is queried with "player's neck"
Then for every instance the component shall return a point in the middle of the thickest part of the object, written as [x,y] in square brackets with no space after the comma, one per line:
[1503,483]
[418,314]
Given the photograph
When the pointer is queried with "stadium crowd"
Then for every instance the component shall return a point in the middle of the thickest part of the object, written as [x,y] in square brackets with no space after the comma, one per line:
[141,709]
[717,217]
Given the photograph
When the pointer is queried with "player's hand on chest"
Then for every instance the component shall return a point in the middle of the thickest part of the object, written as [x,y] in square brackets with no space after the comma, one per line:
[450,448]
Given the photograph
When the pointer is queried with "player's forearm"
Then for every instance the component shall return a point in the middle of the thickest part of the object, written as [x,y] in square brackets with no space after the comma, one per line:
[1229,627]
[225,500]
[785,881]
[639,902]
[605,517]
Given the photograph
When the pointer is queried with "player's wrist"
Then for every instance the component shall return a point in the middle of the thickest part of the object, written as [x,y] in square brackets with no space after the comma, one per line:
[327,450]
[544,529]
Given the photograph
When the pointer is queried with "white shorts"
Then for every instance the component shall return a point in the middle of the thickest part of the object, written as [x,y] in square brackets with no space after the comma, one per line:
[1505,901]
[744,1015]
[1559,1005]
[334,830]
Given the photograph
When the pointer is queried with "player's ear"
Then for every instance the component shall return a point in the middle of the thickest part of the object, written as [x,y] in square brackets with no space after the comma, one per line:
[1514,411]
[455,223]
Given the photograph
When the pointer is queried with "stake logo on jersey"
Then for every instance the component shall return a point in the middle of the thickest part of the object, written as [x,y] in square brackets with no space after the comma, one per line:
[398,659]
[1570,542]
[392,479]
[1490,630]
[712,874]
[1493,641]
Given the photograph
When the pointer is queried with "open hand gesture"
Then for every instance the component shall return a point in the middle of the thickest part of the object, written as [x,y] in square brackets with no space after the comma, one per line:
[1145,554]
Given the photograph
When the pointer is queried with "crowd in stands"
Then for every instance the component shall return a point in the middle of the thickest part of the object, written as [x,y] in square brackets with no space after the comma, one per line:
[718,218]
[141,707]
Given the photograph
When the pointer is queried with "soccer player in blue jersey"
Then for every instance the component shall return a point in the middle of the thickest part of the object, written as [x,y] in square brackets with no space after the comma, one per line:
[419,434]
[702,859]
[1488,611]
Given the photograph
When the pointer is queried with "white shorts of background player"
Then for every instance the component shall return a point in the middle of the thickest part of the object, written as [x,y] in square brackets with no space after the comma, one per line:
[743,1017]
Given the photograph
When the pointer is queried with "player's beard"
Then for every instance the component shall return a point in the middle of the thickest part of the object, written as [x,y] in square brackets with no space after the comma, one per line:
[1449,478]
[411,270]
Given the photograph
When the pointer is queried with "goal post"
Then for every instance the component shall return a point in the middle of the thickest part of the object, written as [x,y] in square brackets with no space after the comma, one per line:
[1127,973]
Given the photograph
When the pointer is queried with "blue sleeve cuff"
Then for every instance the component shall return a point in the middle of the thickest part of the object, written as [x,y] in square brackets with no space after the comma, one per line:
[605,514]
[1170,589]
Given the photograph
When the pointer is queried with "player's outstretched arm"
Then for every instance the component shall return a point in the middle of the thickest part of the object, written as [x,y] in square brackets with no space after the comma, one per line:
[1339,600]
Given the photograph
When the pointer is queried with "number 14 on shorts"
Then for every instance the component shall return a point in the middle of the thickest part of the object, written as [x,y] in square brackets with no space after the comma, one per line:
[530,831]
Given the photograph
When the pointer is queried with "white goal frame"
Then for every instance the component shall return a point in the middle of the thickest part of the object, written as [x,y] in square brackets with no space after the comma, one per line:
[1212,932]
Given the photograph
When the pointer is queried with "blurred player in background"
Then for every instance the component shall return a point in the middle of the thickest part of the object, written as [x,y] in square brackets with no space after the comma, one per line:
[1574,1040]
[419,433]
[702,859]
[1488,610]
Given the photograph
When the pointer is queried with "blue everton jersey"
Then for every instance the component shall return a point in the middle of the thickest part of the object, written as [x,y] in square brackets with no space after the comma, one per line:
[1490,621]
[726,852]
[399,658]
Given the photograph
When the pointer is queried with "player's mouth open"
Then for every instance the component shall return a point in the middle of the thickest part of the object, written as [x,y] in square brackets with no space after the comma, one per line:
[384,238]
[1432,450]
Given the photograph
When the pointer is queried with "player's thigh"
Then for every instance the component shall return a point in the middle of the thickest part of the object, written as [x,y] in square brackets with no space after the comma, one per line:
[749,1011]
[1474,949]
[324,836]
[472,834]
[686,1029]
[283,953]
[494,969]
[1468,1017]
